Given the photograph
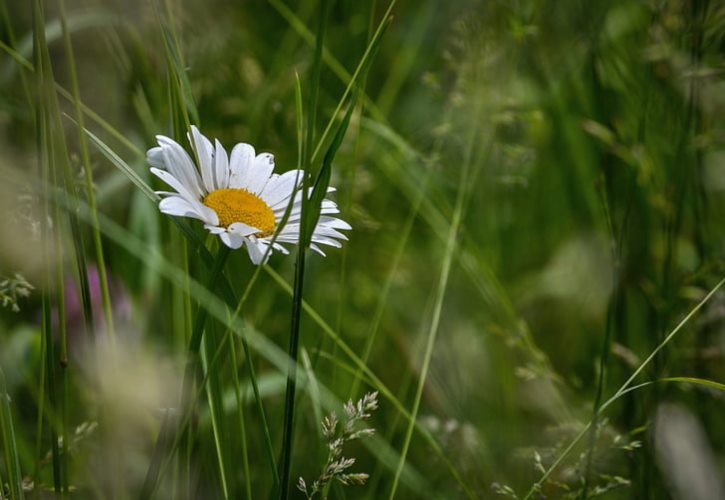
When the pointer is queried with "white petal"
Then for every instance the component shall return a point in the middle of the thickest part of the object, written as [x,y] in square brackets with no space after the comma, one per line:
[262,168]
[207,214]
[320,231]
[317,249]
[155,157]
[205,153]
[178,162]
[242,229]
[240,165]
[221,166]
[232,240]
[280,248]
[326,241]
[280,189]
[328,204]
[176,205]
[328,207]
[214,229]
[255,252]
[328,231]
[289,238]
[293,215]
[174,183]
[333,222]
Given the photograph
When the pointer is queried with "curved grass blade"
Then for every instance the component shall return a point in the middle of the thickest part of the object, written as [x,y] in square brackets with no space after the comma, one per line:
[322,181]
[123,166]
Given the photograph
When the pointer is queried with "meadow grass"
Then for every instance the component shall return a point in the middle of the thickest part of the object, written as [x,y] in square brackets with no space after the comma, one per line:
[529,305]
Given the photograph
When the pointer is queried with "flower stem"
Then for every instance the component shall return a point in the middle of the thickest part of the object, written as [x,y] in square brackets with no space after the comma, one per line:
[306,157]
[289,406]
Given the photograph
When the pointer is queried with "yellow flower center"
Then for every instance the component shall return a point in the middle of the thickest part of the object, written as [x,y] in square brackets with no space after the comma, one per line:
[239,205]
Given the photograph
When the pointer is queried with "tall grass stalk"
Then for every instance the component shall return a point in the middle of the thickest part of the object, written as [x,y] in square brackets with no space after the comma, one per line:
[47,241]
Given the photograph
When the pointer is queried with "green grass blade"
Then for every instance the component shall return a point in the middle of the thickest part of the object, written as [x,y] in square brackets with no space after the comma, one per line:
[9,444]
[247,476]
[322,181]
[124,167]
[214,389]
[90,190]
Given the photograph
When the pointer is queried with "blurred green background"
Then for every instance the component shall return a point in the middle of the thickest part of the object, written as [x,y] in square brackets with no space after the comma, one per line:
[591,139]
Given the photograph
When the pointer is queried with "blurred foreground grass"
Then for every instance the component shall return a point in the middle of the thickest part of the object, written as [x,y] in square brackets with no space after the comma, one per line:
[537,193]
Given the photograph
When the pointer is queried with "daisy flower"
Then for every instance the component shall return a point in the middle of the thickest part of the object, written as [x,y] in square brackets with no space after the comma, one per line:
[237,196]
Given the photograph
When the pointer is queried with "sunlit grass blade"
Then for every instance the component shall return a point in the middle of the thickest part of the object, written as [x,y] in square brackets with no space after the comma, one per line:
[482,276]
[124,167]
[386,288]
[192,368]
